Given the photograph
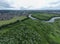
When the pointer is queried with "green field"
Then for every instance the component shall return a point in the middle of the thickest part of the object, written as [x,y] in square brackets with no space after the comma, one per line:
[32,31]
[44,16]
[4,22]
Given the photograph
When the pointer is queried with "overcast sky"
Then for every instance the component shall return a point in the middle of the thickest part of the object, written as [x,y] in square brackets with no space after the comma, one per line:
[29,4]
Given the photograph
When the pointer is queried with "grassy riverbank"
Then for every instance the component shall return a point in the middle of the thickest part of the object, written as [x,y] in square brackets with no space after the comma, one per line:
[31,32]
[44,16]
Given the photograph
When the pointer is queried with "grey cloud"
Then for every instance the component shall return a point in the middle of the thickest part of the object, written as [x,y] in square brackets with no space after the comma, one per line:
[51,8]
[4,4]
[58,2]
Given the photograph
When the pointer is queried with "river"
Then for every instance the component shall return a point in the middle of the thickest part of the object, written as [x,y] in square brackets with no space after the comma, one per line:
[51,20]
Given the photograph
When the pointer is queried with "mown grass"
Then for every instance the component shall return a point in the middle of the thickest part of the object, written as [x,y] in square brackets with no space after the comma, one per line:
[31,32]
[4,22]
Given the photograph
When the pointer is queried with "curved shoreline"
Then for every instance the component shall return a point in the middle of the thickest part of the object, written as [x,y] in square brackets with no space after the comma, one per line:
[51,20]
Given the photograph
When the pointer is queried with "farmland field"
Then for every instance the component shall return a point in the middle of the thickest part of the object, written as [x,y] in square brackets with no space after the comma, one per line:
[32,31]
